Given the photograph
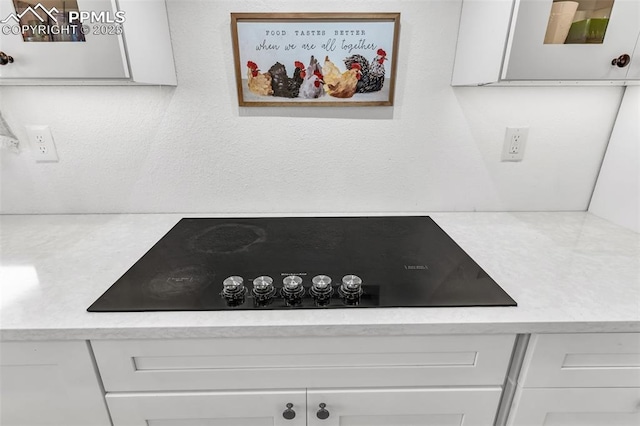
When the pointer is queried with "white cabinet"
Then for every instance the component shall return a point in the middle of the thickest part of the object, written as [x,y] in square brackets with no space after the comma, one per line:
[50,383]
[583,360]
[121,42]
[577,407]
[355,407]
[579,379]
[403,407]
[263,408]
[503,41]
[302,362]
[391,381]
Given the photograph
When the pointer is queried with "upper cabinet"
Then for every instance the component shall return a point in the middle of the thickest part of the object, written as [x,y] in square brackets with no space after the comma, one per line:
[518,41]
[85,42]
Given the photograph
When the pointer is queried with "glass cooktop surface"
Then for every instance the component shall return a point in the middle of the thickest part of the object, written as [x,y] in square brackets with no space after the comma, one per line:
[302,263]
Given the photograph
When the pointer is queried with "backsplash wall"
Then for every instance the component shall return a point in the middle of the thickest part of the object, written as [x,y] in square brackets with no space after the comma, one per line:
[192,149]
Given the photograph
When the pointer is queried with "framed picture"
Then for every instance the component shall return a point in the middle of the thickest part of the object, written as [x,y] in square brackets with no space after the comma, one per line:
[315,59]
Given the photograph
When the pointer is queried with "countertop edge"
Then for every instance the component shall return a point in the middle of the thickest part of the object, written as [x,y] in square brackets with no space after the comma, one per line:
[119,333]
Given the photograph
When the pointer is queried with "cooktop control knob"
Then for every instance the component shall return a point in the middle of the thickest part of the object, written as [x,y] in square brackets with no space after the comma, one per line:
[233,290]
[292,288]
[292,282]
[321,282]
[321,289]
[263,289]
[351,288]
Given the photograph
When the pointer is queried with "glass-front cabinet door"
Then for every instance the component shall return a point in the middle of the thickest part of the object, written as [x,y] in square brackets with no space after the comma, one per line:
[61,39]
[573,40]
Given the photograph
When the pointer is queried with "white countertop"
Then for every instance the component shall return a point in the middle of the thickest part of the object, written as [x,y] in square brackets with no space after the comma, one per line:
[569,272]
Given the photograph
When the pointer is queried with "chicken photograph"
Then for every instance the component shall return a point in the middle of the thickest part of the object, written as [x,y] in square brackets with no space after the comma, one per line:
[372,73]
[341,85]
[312,86]
[258,83]
[283,86]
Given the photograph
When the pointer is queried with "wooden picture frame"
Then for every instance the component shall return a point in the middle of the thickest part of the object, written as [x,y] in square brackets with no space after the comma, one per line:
[315,59]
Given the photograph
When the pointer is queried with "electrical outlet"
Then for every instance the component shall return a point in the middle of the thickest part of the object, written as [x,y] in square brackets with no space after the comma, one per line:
[515,141]
[42,141]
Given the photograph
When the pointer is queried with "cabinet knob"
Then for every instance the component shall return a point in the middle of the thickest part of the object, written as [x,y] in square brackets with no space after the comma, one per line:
[322,413]
[289,414]
[621,61]
[5,59]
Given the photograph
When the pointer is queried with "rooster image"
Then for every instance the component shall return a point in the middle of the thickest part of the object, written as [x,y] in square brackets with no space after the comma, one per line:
[312,86]
[282,85]
[341,85]
[372,73]
[260,84]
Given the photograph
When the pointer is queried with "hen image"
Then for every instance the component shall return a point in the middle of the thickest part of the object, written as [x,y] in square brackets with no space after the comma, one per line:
[282,85]
[372,73]
[260,84]
[312,86]
[340,85]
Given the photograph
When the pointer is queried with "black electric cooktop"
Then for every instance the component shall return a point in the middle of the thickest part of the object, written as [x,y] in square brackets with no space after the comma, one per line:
[302,263]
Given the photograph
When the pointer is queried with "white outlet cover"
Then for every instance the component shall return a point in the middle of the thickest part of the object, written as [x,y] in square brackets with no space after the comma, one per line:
[514,137]
[44,149]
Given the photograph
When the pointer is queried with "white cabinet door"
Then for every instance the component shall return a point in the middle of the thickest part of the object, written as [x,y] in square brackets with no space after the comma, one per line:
[576,407]
[50,383]
[261,408]
[582,360]
[100,56]
[528,58]
[403,407]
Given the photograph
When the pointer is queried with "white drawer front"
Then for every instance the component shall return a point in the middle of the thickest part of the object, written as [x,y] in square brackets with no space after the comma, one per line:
[576,407]
[583,360]
[49,383]
[241,363]
[259,408]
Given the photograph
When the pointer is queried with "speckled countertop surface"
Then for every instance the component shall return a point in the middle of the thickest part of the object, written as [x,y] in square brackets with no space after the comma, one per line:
[569,272]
